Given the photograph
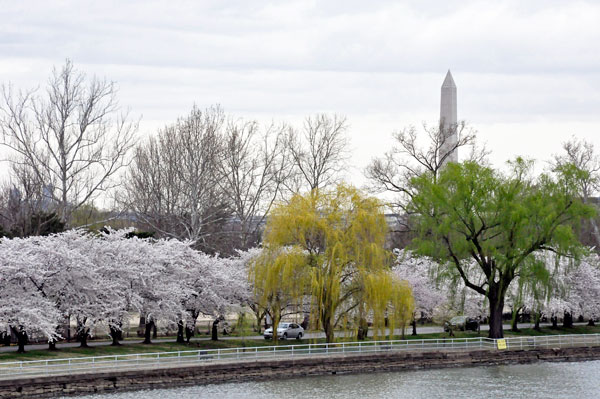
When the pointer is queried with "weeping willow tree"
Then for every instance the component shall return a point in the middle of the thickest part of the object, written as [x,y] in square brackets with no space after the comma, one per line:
[390,299]
[279,280]
[331,242]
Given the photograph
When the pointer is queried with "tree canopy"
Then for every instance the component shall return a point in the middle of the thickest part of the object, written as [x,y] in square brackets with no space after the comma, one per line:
[485,227]
[98,279]
[333,240]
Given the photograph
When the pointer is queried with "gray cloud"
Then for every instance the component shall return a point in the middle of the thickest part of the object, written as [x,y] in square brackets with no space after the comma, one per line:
[523,65]
[499,37]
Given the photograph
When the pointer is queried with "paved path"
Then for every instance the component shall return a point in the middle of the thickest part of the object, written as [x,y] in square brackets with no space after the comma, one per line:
[420,330]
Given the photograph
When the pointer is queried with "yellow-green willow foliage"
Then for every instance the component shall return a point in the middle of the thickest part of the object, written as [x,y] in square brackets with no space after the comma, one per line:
[388,297]
[279,279]
[337,237]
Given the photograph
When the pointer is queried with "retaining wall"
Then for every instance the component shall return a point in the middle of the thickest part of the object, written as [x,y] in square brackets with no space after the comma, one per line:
[271,369]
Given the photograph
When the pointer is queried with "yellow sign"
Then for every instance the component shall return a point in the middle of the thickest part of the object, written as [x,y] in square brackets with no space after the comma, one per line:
[501,343]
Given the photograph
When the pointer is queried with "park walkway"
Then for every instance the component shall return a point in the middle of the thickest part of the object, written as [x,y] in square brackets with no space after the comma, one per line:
[310,335]
[141,361]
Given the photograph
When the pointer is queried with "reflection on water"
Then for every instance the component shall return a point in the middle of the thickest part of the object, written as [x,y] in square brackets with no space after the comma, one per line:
[540,380]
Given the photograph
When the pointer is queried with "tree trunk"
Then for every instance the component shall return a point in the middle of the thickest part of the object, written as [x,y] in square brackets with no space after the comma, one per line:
[568,320]
[538,316]
[83,337]
[275,319]
[52,345]
[257,327]
[21,341]
[305,322]
[148,332]
[514,322]
[22,338]
[496,307]
[259,318]
[363,329]
[328,327]
[180,332]
[215,332]
[115,335]
[554,320]
[591,323]
[190,328]
[414,326]
[68,326]
[189,333]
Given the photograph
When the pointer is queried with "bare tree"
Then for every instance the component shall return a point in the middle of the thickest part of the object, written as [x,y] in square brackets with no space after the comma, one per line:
[73,137]
[173,183]
[411,157]
[253,169]
[319,152]
[582,154]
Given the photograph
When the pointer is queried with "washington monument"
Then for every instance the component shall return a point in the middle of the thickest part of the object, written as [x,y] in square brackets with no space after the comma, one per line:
[448,120]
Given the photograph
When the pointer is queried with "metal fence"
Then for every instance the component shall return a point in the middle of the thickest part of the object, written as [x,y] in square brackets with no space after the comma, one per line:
[552,341]
[10,370]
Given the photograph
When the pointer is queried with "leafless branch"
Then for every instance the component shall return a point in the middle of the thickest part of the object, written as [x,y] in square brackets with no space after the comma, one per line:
[319,152]
[71,137]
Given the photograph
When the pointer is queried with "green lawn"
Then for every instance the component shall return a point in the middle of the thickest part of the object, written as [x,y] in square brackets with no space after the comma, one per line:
[160,346]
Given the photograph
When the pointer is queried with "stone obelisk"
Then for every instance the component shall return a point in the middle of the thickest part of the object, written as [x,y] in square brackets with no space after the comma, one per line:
[448,121]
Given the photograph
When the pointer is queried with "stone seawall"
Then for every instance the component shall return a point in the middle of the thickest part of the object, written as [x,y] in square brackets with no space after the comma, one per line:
[271,369]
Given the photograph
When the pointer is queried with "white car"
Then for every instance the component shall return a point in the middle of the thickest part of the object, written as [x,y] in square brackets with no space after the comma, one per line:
[285,331]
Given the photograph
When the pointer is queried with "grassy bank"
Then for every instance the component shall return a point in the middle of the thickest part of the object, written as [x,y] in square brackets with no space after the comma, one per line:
[161,346]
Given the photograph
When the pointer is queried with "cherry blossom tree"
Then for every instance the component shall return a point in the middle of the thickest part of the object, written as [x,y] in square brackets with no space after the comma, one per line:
[25,309]
[438,299]
[577,290]
[417,271]
[572,289]
[213,287]
[62,270]
[172,282]
[102,277]
[585,288]
[242,290]
[161,285]
[83,291]
[116,259]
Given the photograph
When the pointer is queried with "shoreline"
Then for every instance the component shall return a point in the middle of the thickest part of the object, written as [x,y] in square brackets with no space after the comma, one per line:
[217,373]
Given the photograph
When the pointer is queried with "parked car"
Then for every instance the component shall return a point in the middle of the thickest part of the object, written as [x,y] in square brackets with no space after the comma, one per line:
[285,331]
[462,323]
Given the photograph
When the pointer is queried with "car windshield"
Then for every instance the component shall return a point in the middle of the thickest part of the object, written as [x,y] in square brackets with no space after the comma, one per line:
[284,325]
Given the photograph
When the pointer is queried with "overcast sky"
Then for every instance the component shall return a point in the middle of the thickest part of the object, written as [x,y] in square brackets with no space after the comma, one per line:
[528,72]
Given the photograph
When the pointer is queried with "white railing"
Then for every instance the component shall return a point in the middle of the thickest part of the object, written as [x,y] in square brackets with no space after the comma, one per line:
[189,357]
[552,341]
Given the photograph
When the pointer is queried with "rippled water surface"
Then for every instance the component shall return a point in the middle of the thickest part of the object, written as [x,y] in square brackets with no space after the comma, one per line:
[540,380]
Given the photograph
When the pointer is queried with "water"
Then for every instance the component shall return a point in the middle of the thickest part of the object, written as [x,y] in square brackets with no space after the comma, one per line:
[540,380]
